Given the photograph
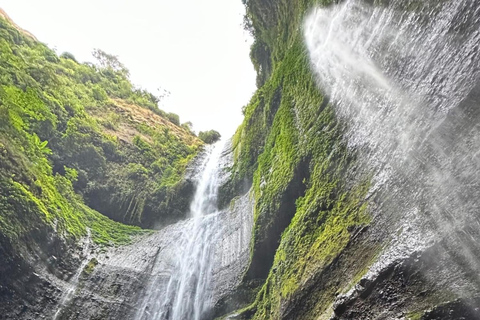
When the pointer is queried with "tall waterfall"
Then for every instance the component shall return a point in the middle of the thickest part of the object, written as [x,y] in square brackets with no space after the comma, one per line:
[405,78]
[187,294]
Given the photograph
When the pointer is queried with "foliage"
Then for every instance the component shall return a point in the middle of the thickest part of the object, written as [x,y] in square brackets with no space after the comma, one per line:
[109,61]
[174,118]
[70,142]
[188,126]
[290,147]
[90,267]
[31,194]
[68,55]
[210,136]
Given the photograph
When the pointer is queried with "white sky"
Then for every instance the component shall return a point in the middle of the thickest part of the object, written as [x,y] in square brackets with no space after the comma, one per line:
[196,49]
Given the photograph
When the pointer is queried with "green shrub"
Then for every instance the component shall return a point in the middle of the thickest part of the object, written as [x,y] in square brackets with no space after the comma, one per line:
[99,93]
[174,118]
[136,171]
[68,55]
[210,136]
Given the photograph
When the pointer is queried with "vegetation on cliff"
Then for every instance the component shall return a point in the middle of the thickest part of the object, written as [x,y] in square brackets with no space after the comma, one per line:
[79,139]
[290,148]
[210,136]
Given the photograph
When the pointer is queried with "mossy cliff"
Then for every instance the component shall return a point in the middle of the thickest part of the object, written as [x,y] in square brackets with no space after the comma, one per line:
[290,148]
[312,241]
[79,144]
[87,157]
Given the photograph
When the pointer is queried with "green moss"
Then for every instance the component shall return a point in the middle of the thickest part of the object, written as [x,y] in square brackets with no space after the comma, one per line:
[417,315]
[291,146]
[365,262]
[310,243]
[90,267]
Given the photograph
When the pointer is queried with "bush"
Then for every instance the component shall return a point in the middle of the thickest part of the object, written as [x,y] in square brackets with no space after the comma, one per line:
[99,93]
[68,55]
[136,171]
[174,118]
[188,126]
[210,136]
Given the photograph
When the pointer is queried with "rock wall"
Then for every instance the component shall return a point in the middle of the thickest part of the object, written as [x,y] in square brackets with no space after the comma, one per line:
[368,111]
[119,281]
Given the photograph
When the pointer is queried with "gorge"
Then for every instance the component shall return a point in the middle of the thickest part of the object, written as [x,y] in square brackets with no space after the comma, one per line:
[350,191]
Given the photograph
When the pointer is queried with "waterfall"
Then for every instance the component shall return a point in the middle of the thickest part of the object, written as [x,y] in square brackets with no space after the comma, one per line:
[405,78]
[187,294]
[73,285]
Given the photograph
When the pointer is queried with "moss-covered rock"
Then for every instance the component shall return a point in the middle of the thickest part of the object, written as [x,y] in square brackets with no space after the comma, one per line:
[290,147]
[314,254]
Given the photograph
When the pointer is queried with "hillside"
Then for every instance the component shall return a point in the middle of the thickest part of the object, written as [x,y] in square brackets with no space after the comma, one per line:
[78,144]
[5,16]
[94,124]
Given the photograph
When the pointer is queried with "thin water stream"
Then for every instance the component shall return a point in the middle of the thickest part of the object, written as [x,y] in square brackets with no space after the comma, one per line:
[70,293]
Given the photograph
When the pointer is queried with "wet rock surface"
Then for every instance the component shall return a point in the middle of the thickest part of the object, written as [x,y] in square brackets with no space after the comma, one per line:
[55,280]
[34,276]
[123,279]
[410,96]
[124,276]
[460,309]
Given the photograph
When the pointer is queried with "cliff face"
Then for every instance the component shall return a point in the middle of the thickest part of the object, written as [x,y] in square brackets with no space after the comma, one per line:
[78,144]
[353,144]
[130,281]
[350,190]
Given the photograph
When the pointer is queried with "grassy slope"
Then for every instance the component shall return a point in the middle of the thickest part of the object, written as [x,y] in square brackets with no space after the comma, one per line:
[290,146]
[73,135]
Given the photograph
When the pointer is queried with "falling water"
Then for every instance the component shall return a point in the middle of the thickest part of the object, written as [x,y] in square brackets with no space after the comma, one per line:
[69,294]
[405,78]
[187,294]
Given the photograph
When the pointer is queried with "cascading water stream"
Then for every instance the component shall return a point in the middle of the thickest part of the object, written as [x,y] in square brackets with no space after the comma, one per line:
[405,78]
[187,294]
[69,294]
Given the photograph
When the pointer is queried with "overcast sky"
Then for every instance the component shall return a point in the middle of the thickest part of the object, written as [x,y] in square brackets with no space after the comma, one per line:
[196,49]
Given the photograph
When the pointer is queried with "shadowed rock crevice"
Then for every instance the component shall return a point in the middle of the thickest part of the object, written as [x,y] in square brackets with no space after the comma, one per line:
[266,245]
